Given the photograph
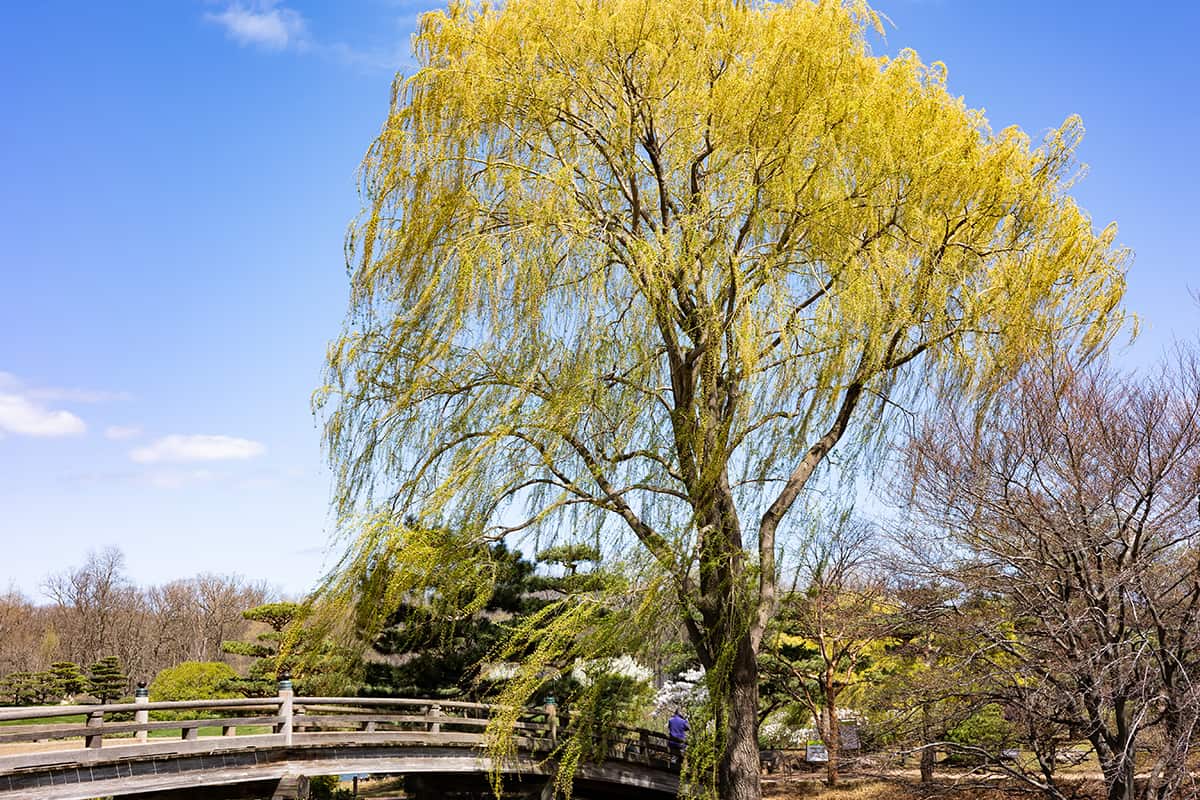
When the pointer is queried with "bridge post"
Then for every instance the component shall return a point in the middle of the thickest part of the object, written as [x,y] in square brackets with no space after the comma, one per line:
[285,707]
[141,696]
[292,787]
[552,717]
[95,720]
[435,714]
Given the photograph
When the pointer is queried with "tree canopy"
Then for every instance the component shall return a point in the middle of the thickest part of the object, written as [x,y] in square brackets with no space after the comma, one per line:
[627,271]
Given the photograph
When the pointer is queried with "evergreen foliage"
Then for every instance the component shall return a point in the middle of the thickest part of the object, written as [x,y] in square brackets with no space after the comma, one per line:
[107,679]
[68,677]
[26,688]
[429,649]
[295,646]
[264,673]
[986,729]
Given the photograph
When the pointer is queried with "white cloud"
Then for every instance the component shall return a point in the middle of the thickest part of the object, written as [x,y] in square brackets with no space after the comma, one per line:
[118,432]
[179,448]
[20,415]
[264,24]
[271,25]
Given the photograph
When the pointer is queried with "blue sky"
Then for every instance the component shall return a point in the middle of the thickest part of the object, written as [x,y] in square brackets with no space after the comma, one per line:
[177,180]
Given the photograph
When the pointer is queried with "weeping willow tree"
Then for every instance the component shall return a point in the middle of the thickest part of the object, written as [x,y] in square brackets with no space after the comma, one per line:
[628,270]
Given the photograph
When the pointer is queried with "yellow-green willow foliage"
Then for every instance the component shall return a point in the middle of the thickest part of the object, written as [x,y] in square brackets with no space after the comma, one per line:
[632,268]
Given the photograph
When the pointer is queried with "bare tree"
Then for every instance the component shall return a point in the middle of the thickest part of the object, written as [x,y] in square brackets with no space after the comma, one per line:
[1074,505]
[832,630]
[20,634]
[98,612]
[195,615]
[173,639]
[89,602]
[220,601]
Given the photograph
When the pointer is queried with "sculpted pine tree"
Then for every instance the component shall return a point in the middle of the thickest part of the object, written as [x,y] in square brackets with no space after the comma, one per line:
[68,678]
[634,268]
[107,679]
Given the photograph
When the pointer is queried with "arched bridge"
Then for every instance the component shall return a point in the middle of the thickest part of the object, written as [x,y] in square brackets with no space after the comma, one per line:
[269,747]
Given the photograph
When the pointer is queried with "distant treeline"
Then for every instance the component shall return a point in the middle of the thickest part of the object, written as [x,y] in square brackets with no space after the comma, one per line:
[96,612]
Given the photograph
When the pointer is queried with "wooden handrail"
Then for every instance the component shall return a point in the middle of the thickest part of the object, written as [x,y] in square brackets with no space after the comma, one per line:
[38,712]
[392,701]
[314,718]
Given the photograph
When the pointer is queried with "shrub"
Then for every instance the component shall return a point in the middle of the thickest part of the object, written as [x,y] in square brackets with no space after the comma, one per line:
[194,680]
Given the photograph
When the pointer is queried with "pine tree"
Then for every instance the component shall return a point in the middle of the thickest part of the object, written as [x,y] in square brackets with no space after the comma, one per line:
[269,665]
[442,654]
[106,679]
[68,678]
[17,688]
[296,646]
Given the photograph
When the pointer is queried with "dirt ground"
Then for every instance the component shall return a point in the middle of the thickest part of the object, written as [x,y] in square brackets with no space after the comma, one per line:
[808,787]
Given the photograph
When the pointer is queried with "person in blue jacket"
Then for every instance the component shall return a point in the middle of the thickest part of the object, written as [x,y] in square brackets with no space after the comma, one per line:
[677,730]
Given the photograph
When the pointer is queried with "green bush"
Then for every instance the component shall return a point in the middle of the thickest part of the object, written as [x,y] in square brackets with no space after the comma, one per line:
[194,680]
[326,787]
[191,680]
[987,729]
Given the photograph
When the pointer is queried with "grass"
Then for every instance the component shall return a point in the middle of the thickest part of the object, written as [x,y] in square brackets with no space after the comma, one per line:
[68,720]
[243,730]
[163,733]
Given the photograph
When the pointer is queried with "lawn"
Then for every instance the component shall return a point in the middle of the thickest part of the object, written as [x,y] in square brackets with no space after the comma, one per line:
[164,733]
[68,720]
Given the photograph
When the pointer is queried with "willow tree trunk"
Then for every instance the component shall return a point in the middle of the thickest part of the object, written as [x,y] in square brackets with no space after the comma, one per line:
[738,772]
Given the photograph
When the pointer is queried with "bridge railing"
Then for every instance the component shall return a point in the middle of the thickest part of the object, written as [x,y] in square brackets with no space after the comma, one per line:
[133,720]
[282,721]
[641,746]
[536,727]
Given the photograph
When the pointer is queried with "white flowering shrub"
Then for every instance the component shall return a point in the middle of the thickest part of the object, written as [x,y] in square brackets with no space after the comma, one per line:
[781,736]
[587,672]
[500,671]
[686,691]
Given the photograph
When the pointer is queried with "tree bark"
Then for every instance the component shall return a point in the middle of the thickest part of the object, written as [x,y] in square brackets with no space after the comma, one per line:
[738,772]
[927,761]
[833,734]
[1116,765]
[928,755]
[833,748]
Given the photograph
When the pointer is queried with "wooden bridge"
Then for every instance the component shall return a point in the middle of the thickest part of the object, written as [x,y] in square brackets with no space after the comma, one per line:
[268,748]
